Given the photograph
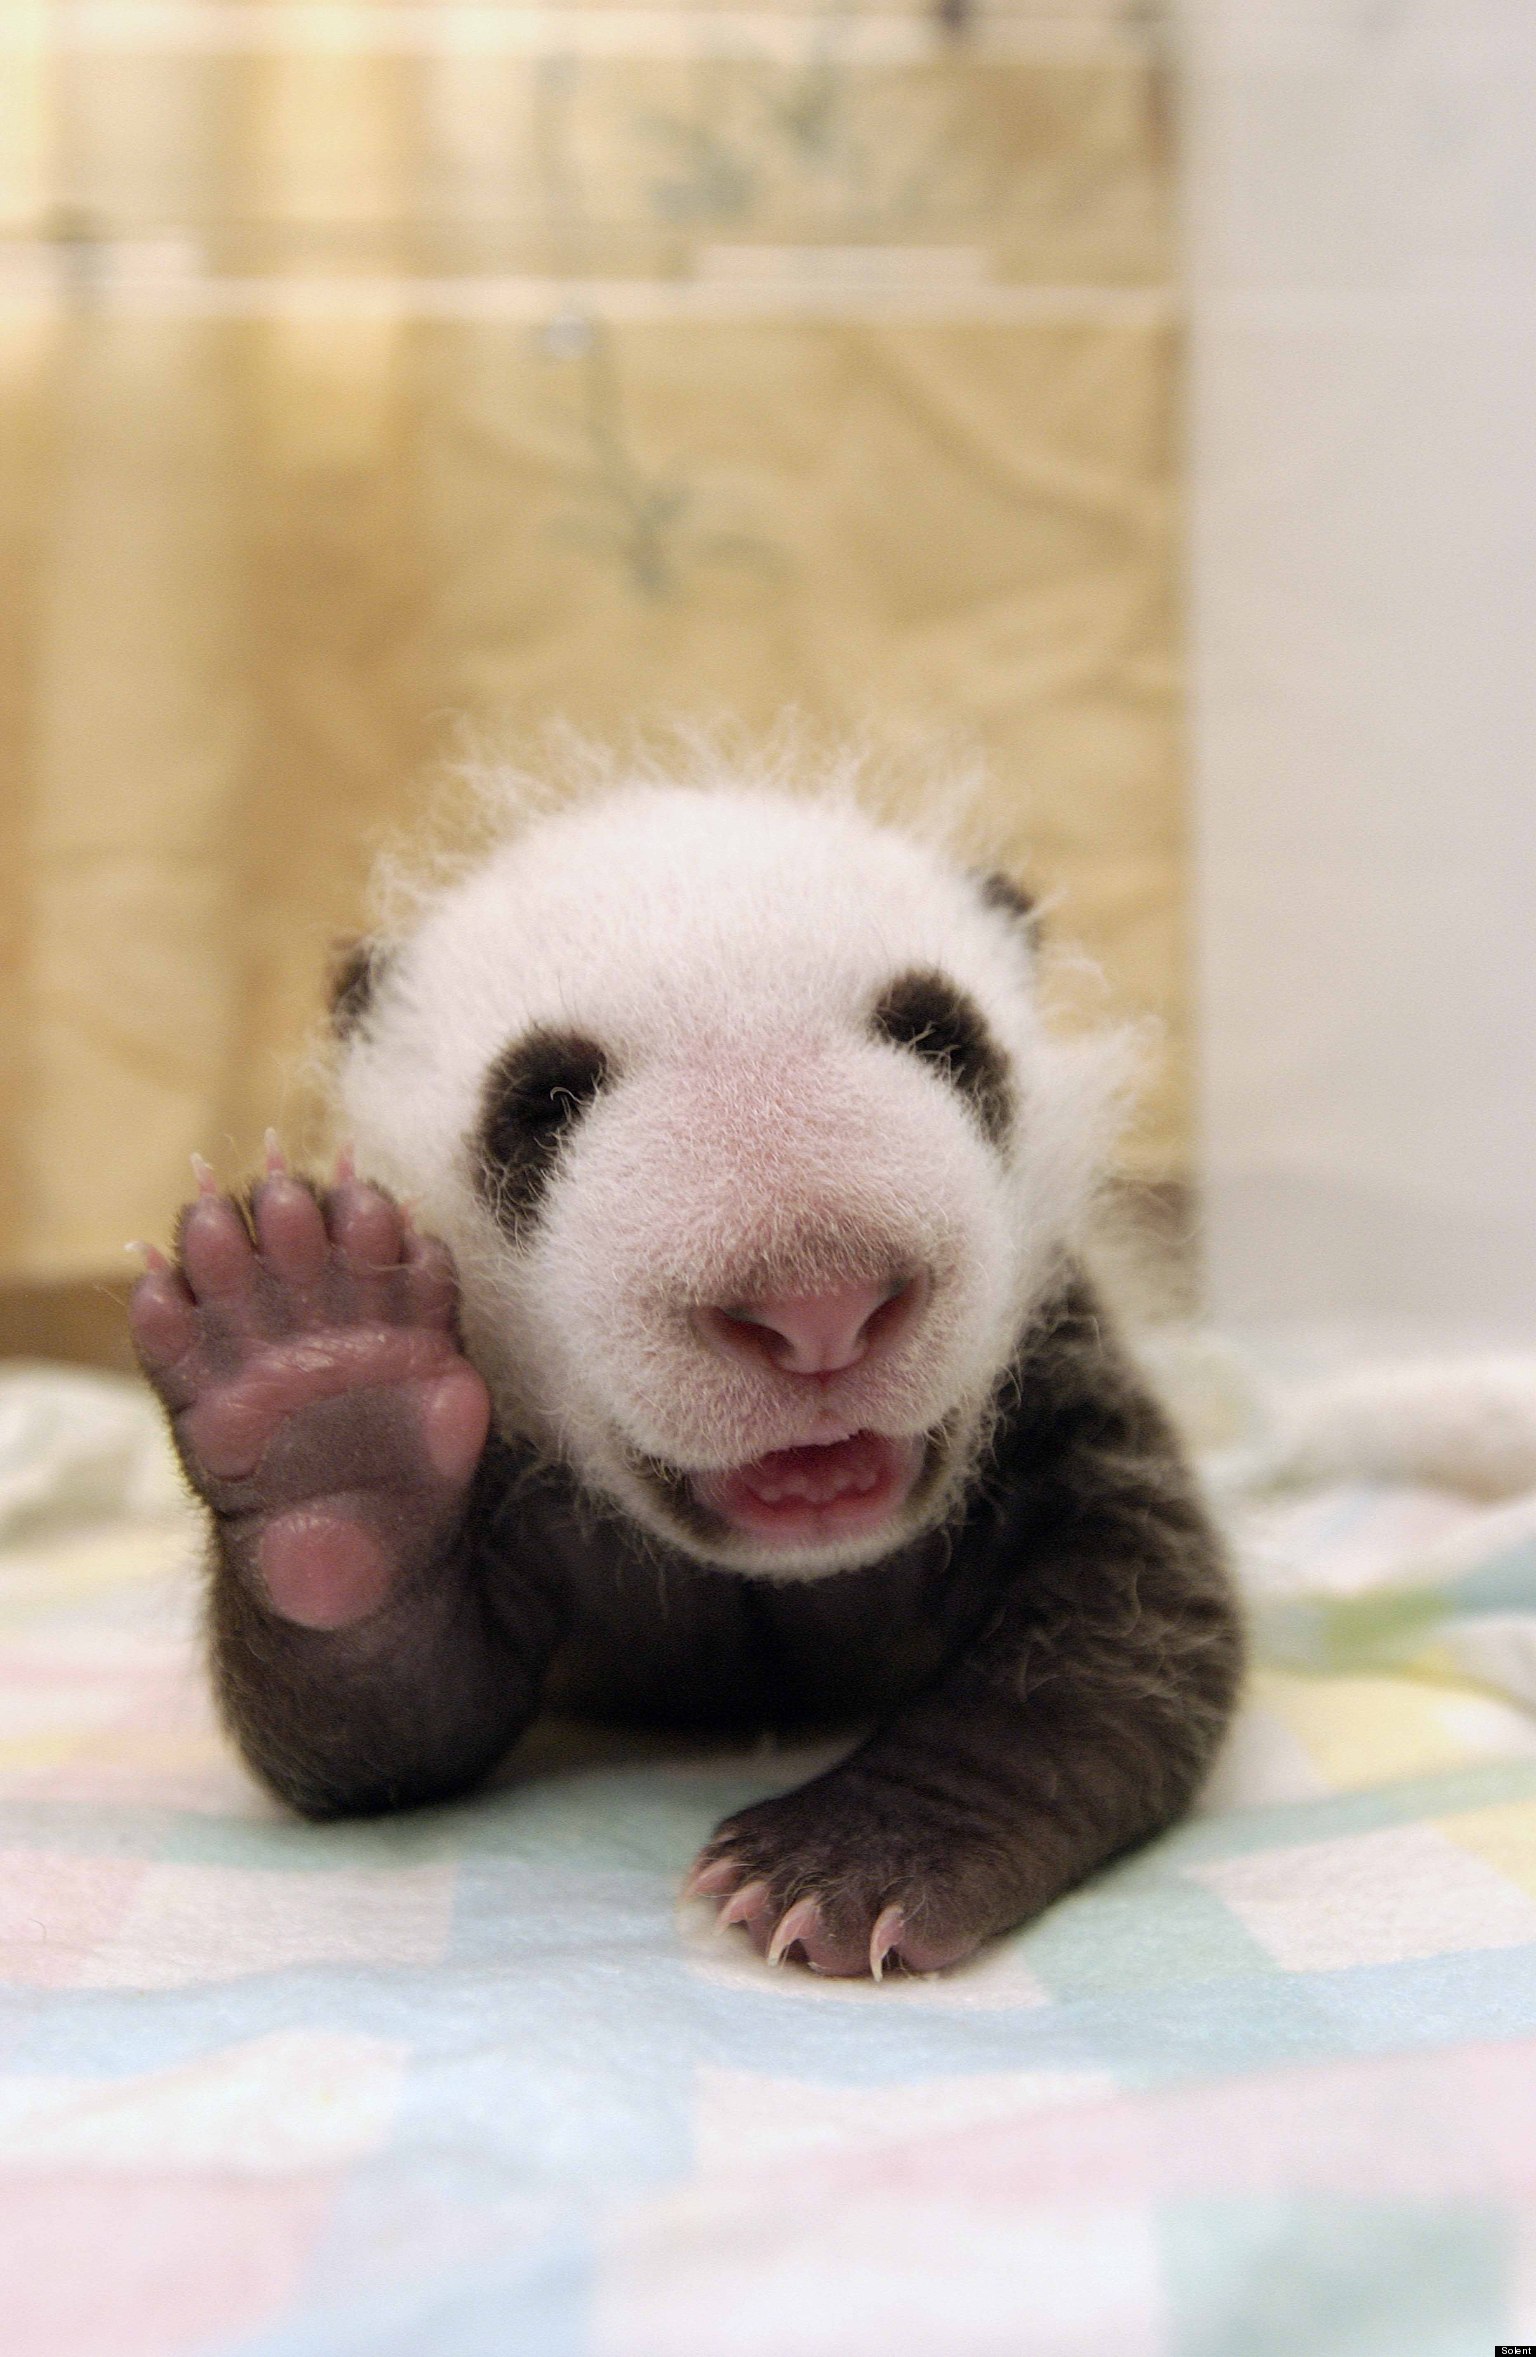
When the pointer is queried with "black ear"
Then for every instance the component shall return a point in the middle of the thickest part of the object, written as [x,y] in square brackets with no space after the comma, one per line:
[358,965]
[1000,891]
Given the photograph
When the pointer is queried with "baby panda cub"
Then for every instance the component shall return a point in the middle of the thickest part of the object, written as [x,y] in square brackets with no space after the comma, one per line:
[731,1369]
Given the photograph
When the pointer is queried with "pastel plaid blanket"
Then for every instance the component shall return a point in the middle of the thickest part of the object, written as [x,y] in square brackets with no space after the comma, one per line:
[466,2084]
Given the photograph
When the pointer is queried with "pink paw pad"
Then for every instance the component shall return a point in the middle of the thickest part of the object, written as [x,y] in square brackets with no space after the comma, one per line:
[321,1570]
[305,1344]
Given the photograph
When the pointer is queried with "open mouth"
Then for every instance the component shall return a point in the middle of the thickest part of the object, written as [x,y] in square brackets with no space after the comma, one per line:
[816,1493]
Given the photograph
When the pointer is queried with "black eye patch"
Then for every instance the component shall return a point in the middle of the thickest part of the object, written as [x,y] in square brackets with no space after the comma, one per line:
[536,1090]
[927,1013]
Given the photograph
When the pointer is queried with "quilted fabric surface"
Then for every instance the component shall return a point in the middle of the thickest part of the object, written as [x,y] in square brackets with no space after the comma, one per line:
[468,2082]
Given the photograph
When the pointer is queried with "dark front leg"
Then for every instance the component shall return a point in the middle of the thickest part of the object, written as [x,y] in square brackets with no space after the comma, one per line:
[373,1643]
[416,1701]
[1080,1718]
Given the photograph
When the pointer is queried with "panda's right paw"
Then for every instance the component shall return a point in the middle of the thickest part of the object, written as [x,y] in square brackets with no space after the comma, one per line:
[305,1347]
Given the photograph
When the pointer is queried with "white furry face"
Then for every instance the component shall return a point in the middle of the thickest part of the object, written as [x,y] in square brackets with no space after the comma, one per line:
[736,1113]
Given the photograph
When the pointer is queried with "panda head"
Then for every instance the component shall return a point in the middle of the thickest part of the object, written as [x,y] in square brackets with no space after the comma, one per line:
[737,1113]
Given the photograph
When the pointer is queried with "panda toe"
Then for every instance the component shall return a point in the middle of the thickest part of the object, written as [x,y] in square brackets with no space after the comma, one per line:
[162,1318]
[290,1229]
[810,1930]
[432,1283]
[711,1878]
[218,1258]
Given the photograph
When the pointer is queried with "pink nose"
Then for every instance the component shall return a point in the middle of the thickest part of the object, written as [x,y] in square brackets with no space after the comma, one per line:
[813,1333]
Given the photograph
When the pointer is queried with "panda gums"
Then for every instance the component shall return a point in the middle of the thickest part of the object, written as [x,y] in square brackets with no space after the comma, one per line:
[731,1369]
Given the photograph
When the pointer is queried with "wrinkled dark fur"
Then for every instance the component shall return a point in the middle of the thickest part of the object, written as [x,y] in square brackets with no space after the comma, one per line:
[1047,1680]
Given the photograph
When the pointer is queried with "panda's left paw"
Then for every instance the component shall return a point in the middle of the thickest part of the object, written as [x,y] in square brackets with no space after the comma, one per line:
[837,1876]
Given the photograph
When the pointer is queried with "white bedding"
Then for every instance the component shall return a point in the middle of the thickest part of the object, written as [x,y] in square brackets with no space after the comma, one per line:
[466,2082]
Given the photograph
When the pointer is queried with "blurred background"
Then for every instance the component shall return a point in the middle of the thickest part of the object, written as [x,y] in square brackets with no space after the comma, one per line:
[1141,396]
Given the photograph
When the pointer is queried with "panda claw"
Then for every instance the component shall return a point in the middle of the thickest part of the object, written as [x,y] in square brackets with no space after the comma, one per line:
[711,1878]
[885,1940]
[741,1906]
[801,1923]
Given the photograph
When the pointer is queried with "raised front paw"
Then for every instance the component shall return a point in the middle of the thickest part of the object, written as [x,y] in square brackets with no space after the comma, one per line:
[853,1874]
[305,1346]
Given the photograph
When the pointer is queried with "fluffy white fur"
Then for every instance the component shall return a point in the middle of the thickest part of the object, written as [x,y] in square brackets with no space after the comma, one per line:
[726,947]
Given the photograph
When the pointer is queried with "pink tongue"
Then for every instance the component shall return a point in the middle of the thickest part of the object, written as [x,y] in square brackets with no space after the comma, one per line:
[817,1475]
